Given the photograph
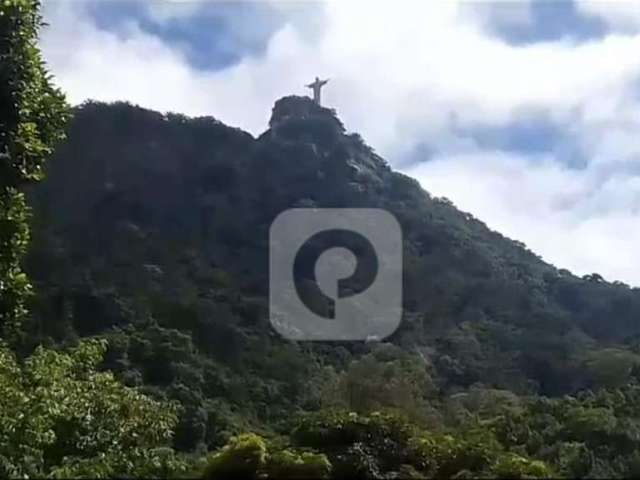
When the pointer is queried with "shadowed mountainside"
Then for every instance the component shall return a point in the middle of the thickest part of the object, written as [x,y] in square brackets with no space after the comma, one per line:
[152,230]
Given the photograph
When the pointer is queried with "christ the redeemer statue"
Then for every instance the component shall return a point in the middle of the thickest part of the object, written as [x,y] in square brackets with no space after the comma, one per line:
[317,85]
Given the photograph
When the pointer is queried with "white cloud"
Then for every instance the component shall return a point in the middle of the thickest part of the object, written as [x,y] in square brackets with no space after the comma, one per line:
[412,75]
[576,220]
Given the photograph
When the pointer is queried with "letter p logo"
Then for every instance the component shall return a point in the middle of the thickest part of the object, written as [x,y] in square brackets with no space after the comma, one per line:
[335,274]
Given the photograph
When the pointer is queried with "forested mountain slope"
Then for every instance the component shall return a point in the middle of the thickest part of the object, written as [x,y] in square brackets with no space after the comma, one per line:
[152,230]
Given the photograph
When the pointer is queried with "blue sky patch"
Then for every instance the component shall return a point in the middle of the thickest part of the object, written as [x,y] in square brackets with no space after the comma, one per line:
[550,21]
[213,36]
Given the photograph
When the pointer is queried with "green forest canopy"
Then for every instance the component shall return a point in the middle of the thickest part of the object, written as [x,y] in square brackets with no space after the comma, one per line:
[147,349]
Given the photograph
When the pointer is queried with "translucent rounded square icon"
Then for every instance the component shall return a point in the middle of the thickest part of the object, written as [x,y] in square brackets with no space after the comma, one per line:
[335,274]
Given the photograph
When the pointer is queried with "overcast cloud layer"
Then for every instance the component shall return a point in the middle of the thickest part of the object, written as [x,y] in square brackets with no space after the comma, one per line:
[533,130]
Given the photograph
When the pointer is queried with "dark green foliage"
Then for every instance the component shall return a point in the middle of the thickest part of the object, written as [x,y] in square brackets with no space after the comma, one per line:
[591,434]
[163,249]
[344,444]
[170,226]
[388,378]
[59,416]
[32,116]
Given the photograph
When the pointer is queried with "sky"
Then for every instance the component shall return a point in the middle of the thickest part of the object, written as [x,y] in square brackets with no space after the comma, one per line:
[524,113]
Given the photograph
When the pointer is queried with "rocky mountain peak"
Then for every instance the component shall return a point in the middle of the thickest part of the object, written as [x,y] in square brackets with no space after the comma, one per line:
[296,108]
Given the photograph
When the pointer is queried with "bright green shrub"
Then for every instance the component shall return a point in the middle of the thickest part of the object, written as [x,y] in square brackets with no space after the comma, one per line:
[291,464]
[514,466]
[242,457]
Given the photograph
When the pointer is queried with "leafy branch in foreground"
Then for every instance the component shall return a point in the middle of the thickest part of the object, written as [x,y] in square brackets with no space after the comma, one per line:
[59,417]
[32,117]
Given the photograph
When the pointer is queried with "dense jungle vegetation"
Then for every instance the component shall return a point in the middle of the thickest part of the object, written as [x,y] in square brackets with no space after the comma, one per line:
[135,328]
